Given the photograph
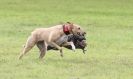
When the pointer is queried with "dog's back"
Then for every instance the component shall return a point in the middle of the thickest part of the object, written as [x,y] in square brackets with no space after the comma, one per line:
[47,34]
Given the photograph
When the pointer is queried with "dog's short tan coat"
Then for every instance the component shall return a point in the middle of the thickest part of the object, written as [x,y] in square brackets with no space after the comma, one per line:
[49,36]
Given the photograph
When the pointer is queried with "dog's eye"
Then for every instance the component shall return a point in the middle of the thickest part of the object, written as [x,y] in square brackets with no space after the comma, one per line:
[79,28]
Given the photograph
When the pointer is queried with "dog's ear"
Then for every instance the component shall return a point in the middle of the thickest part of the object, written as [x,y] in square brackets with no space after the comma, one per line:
[70,24]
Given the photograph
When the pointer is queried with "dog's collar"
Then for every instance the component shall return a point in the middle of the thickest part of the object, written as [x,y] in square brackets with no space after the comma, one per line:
[66,29]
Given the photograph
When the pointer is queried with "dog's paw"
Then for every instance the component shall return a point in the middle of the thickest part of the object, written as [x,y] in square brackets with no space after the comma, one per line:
[61,55]
[84,51]
[73,50]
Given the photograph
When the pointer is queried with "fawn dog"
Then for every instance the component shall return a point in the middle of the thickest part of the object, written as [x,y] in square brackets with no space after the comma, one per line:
[49,36]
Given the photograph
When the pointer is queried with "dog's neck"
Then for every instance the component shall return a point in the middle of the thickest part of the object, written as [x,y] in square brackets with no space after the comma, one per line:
[66,29]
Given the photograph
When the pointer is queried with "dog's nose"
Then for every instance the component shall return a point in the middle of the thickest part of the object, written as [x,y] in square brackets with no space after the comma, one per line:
[84,33]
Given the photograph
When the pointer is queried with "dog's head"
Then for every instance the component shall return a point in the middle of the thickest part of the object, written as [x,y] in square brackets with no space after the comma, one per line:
[73,29]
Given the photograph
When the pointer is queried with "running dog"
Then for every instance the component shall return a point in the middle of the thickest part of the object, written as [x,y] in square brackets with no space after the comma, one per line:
[49,36]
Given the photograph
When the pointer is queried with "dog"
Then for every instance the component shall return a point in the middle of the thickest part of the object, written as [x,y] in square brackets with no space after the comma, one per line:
[49,36]
[79,42]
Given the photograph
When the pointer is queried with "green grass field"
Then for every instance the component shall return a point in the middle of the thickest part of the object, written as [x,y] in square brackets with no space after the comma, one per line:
[109,26]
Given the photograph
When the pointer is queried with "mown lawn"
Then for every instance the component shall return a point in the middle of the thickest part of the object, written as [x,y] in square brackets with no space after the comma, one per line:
[109,26]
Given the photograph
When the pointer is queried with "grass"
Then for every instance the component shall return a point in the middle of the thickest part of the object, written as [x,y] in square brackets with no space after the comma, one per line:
[109,35]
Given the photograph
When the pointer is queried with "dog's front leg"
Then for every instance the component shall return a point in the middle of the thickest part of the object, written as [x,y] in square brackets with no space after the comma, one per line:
[72,45]
[58,47]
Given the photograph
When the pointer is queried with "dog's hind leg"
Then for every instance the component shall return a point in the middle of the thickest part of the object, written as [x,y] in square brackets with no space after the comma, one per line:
[43,50]
[40,45]
[29,44]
